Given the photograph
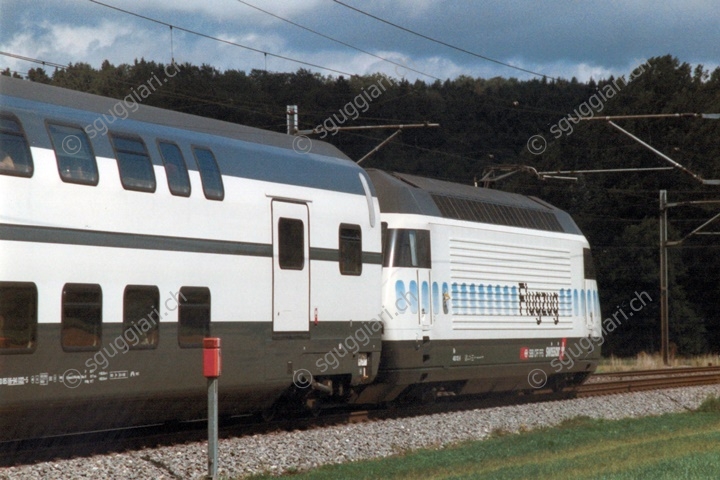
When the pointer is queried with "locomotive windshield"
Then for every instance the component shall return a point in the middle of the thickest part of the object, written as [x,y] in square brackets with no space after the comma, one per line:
[406,248]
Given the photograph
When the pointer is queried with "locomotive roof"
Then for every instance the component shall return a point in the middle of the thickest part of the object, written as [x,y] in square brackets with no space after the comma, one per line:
[403,193]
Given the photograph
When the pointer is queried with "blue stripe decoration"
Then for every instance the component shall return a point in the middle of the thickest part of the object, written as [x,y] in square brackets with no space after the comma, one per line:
[576,303]
[471,299]
[506,300]
[401,302]
[426,297]
[414,296]
[483,299]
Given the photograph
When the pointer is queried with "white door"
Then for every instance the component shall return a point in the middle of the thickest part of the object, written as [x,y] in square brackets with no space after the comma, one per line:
[291,267]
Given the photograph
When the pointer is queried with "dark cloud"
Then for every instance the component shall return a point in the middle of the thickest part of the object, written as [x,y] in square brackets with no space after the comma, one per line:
[558,38]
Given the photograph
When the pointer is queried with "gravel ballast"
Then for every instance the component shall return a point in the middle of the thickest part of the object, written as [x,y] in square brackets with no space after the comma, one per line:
[299,450]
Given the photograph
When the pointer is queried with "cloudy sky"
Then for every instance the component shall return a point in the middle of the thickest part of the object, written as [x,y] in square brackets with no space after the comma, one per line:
[557,38]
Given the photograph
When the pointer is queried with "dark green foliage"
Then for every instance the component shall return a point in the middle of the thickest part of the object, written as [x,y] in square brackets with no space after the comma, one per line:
[709,405]
[486,122]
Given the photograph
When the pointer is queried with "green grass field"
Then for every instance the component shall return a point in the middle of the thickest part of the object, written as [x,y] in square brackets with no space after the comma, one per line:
[674,446]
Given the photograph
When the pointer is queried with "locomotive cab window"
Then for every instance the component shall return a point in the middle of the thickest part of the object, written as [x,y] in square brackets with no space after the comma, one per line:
[588,264]
[18,317]
[141,321]
[175,169]
[193,316]
[75,158]
[350,249]
[15,157]
[291,244]
[407,248]
[81,328]
[209,174]
[136,170]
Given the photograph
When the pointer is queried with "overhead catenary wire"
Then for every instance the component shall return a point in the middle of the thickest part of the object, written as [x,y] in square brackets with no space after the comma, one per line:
[440,42]
[228,42]
[34,60]
[338,41]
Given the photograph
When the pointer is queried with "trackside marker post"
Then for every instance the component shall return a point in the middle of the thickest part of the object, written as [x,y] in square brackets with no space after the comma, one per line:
[211,371]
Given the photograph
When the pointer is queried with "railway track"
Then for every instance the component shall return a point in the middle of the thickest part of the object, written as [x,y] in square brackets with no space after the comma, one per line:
[32,451]
[634,381]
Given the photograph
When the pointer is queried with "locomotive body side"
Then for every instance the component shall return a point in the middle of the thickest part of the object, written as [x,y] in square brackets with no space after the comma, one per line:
[484,291]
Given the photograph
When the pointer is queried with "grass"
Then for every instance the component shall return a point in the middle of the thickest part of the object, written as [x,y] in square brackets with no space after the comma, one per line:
[645,361]
[672,446]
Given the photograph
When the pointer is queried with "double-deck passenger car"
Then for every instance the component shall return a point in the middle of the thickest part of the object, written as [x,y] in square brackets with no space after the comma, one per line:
[120,250]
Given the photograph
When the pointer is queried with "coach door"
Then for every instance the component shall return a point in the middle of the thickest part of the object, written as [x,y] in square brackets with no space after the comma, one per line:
[291,267]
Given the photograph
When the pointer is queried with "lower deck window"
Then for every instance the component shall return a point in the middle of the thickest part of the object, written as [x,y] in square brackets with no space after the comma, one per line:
[81,324]
[18,317]
[193,316]
[141,321]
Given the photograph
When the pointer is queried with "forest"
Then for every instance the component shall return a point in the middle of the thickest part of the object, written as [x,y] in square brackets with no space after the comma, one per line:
[501,122]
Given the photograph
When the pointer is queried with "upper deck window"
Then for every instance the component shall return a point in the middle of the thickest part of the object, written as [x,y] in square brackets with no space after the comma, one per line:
[209,174]
[75,158]
[406,248]
[15,157]
[175,169]
[136,170]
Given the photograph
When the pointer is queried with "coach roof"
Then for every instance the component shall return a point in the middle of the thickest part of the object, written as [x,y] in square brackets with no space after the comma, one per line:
[102,105]
[240,151]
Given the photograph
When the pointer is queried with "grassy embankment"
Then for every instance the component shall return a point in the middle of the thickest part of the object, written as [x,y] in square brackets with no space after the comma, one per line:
[672,446]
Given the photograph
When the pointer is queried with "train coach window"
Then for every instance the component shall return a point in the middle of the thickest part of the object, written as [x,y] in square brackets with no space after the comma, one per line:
[18,317]
[136,170]
[81,327]
[141,320]
[175,169]
[407,248]
[291,244]
[193,316]
[350,250]
[15,157]
[209,174]
[74,155]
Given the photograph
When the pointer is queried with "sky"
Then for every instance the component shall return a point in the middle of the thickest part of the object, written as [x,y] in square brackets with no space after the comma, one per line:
[556,38]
